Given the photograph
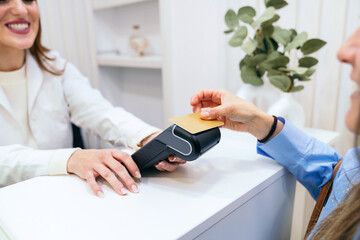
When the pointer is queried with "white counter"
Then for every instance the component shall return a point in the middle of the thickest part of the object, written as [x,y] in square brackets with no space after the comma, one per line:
[229,193]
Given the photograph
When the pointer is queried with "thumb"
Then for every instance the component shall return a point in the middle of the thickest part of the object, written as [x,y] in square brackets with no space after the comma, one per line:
[213,113]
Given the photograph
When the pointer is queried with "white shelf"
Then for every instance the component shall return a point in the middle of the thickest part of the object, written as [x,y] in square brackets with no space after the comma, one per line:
[105,4]
[115,60]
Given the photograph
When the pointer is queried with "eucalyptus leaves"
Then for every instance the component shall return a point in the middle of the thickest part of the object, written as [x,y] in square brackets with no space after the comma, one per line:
[267,52]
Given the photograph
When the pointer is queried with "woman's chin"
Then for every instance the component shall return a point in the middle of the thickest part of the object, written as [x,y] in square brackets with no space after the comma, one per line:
[21,43]
[25,45]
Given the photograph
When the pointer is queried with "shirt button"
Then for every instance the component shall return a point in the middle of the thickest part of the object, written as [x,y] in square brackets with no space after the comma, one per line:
[347,189]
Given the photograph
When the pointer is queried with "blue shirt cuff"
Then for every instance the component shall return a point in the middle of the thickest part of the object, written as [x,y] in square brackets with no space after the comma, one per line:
[310,160]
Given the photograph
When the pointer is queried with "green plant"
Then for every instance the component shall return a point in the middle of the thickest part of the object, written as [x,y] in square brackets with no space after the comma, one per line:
[268,51]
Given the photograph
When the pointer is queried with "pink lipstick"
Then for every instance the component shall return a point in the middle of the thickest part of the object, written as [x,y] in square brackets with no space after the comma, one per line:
[19,26]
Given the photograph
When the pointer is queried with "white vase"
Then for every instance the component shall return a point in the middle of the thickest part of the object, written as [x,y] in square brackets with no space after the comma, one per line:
[262,96]
[287,106]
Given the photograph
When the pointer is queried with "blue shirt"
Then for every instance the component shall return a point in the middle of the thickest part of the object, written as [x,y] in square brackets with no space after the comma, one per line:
[312,162]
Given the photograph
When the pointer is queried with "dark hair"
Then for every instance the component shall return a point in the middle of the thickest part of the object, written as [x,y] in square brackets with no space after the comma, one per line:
[38,51]
[344,222]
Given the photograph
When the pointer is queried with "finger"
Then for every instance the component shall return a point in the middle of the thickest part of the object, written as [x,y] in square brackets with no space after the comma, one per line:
[207,98]
[194,99]
[204,104]
[159,166]
[111,179]
[94,186]
[128,162]
[208,104]
[196,109]
[213,113]
[174,159]
[124,175]
[166,166]
[181,161]
[221,119]
[198,97]
[208,94]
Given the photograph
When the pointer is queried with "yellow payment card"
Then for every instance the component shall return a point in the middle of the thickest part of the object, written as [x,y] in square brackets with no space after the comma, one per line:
[194,124]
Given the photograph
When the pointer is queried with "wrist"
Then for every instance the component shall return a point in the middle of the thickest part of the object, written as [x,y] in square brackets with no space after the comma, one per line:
[147,139]
[71,162]
[271,132]
[261,125]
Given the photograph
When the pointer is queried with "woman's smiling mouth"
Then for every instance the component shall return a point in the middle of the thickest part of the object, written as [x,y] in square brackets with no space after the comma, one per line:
[20,26]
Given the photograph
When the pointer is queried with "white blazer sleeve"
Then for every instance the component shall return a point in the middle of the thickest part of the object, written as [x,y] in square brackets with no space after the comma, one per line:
[18,163]
[89,110]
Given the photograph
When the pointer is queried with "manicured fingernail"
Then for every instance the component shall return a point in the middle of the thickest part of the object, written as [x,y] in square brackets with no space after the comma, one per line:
[137,174]
[123,191]
[100,194]
[134,188]
[173,159]
[162,164]
[205,114]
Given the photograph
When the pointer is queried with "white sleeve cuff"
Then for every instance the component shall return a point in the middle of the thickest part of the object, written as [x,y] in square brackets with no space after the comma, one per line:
[145,132]
[58,163]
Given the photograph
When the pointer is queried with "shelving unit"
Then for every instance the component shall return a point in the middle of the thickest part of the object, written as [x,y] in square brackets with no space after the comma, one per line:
[115,60]
[114,20]
[105,4]
[135,83]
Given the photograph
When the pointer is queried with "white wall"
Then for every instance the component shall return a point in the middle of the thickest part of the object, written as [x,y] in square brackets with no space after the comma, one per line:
[65,26]
[195,51]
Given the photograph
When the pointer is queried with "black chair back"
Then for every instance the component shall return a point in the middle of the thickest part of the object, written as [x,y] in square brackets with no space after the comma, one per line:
[77,138]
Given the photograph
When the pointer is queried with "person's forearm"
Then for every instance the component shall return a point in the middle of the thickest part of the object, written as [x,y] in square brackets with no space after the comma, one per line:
[297,151]
[261,125]
[90,110]
[18,163]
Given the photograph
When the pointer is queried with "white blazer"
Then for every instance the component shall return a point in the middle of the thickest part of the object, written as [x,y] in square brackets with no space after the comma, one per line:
[53,103]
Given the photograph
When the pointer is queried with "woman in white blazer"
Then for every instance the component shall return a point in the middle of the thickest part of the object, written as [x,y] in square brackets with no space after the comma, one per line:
[40,95]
